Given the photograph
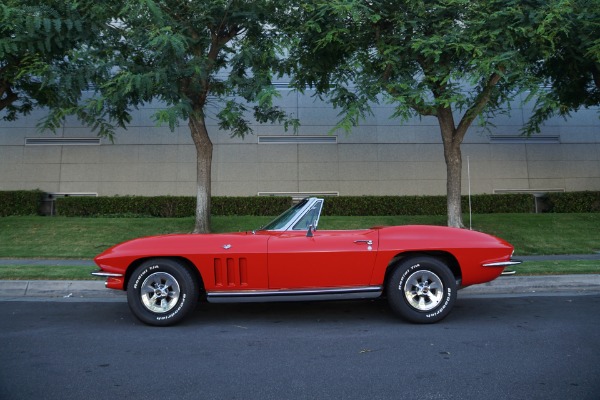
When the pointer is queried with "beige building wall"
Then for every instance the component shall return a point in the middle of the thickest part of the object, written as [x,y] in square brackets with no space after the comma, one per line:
[381,157]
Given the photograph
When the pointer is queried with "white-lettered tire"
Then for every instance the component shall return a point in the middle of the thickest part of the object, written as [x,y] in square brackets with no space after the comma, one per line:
[162,292]
[421,290]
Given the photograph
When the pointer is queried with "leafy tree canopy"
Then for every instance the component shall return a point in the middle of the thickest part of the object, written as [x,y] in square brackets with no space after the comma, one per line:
[422,56]
[569,65]
[186,54]
[42,52]
[454,60]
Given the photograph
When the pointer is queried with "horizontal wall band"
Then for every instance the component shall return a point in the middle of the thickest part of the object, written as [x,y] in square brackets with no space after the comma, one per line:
[61,141]
[551,139]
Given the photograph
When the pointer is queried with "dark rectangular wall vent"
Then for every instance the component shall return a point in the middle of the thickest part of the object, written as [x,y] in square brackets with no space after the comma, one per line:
[529,191]
[61,141]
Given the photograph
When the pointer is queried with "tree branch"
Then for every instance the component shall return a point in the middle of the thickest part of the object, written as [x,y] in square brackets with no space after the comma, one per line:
[480,103]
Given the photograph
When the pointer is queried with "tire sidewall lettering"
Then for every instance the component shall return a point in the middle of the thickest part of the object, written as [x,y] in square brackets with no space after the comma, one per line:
[143,274]
[174,313]
[443,306]
[405,274]
[139,278]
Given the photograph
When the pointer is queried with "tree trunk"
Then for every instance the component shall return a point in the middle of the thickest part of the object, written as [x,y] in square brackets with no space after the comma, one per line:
[452,154]
[204,151]
[453,158]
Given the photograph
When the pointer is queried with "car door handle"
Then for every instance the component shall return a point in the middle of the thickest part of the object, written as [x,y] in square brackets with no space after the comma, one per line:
[369,242]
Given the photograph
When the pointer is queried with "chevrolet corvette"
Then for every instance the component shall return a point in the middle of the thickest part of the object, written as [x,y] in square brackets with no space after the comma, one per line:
[417,268]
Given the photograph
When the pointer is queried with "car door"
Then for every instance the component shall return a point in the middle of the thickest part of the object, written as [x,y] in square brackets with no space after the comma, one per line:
[324,260]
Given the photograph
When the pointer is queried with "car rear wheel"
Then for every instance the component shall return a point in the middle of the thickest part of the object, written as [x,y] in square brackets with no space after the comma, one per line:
[162,292]
[421,290]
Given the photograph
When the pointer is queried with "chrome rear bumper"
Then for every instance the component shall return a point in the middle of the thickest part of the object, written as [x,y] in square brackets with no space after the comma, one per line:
[503,263]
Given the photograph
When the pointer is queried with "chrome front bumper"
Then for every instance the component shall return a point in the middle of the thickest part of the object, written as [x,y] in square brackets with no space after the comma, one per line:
[106,274]
[504,264]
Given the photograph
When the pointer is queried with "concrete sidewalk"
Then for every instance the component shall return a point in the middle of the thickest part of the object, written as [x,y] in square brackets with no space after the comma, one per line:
[57,289]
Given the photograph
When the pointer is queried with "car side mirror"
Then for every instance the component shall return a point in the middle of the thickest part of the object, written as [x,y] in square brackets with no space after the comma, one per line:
[309,233]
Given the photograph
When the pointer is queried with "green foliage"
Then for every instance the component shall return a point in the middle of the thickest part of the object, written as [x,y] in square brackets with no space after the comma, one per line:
[257,206]
[499,203]
[384,205]
[574,202]
[20,202]
[167,206]
[46,272]
[184,55]
[125,206]
[425,205]
[421,57]
[568,62]
[44,48]
[183,206]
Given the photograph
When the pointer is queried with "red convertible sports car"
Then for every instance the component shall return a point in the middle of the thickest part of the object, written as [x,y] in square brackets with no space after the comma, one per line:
[417,268]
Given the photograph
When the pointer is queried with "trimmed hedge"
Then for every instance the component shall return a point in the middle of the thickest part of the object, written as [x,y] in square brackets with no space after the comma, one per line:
[125,206]
[384,205]
[28,203]
[426,205]
[167,206]
[257,205]
[173,206]
[499,203]
[20,202]
[574,202]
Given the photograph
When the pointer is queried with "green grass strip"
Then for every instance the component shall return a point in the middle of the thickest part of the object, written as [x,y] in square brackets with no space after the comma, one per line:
[46,272]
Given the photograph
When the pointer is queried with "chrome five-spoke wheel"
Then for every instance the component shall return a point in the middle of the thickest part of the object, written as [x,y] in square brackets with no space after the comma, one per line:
[424,290]
[160,292]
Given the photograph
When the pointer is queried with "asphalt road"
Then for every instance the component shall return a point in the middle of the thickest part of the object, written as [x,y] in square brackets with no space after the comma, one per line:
[509,347]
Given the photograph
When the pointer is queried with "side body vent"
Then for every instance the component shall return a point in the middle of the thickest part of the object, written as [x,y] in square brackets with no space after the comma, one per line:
[231,272]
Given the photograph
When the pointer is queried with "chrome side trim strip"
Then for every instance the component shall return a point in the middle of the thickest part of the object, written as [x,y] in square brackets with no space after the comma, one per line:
[107,274]
[503,263]
[256,296]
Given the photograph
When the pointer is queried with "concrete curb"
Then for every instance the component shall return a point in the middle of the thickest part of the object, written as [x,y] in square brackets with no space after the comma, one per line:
[57,289]
[504,285]
[537,284]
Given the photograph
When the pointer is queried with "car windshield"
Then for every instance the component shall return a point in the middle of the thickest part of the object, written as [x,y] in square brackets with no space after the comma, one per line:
[311,218]
[284,218]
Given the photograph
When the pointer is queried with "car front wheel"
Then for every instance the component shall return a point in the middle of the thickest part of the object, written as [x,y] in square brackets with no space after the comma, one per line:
[421,290]
[161,292]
